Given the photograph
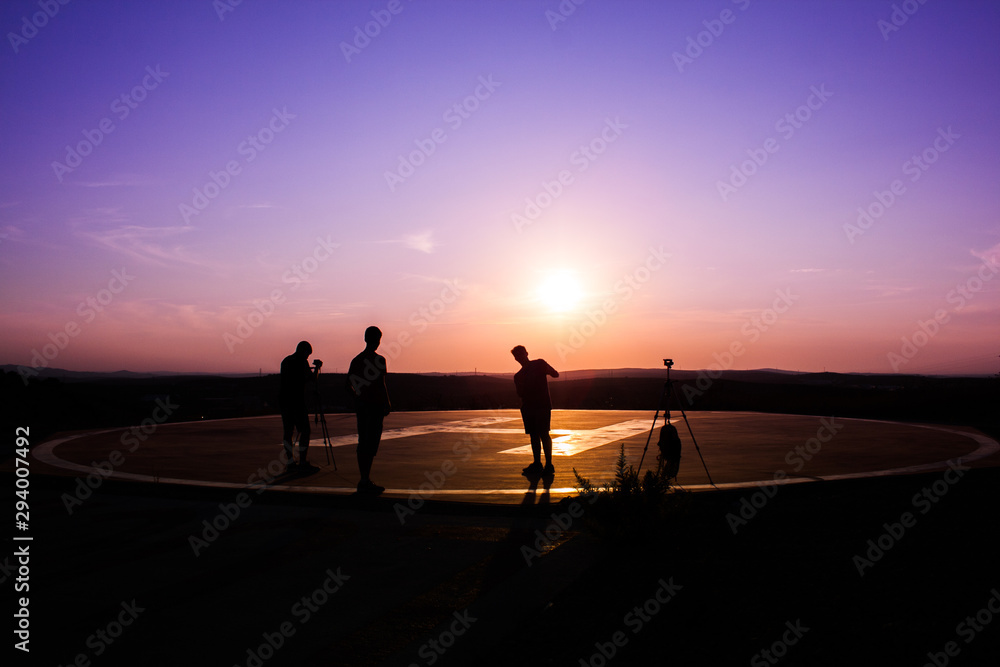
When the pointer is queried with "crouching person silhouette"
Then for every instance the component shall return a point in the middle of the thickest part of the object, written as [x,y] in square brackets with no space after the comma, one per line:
[670,450]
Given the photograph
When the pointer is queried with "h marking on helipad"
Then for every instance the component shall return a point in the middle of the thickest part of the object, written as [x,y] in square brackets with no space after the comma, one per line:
[565,442]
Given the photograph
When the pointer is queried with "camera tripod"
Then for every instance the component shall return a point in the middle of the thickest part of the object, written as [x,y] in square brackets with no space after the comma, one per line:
[665,395]
[321,419]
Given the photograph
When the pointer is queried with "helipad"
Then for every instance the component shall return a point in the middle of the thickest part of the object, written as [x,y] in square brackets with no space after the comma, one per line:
[478,455]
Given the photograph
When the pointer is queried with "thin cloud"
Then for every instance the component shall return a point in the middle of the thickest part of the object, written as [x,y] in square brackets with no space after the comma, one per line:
[236,208]
[135,241]
[11,232]
[884,290]
[118,180]
[110,228]
[421,241]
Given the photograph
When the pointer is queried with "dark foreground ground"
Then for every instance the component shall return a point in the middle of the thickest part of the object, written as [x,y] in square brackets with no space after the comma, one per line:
[331,581]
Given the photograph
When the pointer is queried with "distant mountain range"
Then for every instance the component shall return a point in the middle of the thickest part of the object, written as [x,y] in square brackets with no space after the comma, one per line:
[60,400]
[752,375]
[63,374]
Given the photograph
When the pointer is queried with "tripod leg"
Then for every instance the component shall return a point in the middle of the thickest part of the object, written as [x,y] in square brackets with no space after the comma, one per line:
[329,445]
[326,446]
[696,448]
[321,420]
[651,428]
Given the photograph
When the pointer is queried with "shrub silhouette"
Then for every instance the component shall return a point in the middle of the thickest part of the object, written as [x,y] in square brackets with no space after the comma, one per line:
[629,507]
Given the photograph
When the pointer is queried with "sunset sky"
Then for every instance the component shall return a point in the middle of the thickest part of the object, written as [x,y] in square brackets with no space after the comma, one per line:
[197,186]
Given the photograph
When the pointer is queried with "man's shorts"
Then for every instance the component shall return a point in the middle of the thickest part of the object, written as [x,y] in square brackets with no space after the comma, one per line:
[536,420]
[295,417]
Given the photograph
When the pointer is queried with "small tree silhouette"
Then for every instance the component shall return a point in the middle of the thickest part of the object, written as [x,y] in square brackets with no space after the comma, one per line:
[628,507]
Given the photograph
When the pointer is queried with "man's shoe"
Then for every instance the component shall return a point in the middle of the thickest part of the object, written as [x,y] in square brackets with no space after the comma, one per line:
[533,469]
[549,469]
[306,467]
[370,488]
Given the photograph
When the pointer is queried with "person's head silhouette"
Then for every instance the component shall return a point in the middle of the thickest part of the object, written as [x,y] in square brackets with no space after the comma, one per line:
[303,349]
[373,336]
[520,354]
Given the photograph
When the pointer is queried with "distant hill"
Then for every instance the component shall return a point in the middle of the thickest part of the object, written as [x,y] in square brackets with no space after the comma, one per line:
[65,400]
[765,375]
[63,374]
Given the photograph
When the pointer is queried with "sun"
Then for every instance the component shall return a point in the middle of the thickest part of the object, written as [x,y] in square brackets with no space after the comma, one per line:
[560,292]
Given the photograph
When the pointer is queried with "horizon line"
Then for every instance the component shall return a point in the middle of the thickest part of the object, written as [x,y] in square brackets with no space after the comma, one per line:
[475,372]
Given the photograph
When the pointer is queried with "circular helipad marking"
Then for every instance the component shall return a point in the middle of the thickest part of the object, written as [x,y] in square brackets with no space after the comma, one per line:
[986,446]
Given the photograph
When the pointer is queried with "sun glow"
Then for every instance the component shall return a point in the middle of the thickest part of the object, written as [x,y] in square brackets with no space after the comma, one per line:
[560,292]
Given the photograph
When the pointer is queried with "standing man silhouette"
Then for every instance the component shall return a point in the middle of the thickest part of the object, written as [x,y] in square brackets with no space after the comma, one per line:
[366,382]
[536,408]
[295,373]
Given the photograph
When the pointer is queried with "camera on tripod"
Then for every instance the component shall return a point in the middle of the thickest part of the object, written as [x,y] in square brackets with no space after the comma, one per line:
[669,442]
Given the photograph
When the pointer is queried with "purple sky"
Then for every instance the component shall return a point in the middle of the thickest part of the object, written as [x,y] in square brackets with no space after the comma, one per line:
[599,187]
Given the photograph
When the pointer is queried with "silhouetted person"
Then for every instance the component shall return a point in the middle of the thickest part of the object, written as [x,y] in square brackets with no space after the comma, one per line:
[670,449]
[295,373]
[536,407]
[366,382]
